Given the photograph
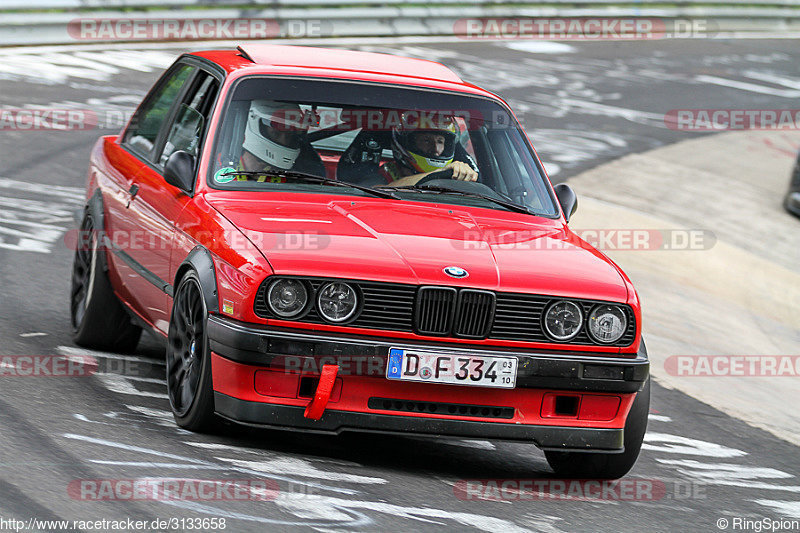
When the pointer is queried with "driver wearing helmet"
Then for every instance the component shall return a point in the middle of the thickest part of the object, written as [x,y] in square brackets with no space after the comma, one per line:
[425,148]
[275,139]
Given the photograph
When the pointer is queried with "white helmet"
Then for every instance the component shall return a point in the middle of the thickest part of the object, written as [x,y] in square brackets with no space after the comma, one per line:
[274,133]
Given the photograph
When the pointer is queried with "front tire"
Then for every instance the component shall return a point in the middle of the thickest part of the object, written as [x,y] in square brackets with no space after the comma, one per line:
[608,465]
[98,319]
[189,383]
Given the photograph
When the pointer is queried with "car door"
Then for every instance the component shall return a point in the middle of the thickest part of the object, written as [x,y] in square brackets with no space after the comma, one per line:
[155,205]
[137,145]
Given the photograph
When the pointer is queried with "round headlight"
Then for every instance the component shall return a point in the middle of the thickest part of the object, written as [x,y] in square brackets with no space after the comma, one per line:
[287,297]
[563,320]
[607,323]
[337,301]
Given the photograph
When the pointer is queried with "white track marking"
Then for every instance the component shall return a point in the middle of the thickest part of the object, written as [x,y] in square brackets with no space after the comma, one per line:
[658,418]
[74,193]
[75,60]
[121,385]
[152,413]
[35,225]
[733,475]
[567,147]
[127,419]
[166,455]
[788,509]
[145,464]
[294,466]
[58,66]
[745,86]
[792,83]
[156,381]
[73,350]
[540,47]
[128,447]
[713,472]
[33,334]
[662,442]
[328,513]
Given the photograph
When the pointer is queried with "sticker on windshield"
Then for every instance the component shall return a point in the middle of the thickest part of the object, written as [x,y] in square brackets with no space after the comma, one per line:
[225,175]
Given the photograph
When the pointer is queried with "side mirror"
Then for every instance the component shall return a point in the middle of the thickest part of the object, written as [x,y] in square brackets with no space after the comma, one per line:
[179,171]
[567,198]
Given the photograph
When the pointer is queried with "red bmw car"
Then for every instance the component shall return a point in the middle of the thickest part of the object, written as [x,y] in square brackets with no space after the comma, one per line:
[340,241]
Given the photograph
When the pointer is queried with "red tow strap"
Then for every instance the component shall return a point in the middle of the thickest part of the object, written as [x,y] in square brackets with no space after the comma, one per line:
[318,404]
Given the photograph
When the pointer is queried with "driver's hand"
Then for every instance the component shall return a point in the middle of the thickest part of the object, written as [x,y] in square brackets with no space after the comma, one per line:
[462,171]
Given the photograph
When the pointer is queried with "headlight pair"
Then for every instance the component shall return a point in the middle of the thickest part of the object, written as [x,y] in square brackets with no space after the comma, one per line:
[564,319]
[336,301]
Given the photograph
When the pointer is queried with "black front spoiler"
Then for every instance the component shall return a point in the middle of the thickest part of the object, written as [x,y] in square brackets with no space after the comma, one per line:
[336,422]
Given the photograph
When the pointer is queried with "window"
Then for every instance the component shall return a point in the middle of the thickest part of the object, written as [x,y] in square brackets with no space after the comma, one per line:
[149,118]
[186,131]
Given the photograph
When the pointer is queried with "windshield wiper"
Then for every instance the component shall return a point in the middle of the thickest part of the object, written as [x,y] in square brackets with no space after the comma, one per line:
[311,178]
[437,188]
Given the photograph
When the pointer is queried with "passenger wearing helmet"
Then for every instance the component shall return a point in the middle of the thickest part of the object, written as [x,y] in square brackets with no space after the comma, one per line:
[275,139]
[420,149]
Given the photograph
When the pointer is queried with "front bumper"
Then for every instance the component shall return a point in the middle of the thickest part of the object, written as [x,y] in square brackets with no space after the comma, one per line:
[242,352]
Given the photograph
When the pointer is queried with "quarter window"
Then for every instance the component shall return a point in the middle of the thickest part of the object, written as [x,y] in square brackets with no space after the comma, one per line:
[147,121]
[186,132]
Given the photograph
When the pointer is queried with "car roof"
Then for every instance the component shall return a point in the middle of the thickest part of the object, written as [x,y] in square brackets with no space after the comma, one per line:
[262,58]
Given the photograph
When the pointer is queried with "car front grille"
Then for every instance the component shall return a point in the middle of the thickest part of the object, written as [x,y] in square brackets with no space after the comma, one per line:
[435,310]
[475,310]
[451,312]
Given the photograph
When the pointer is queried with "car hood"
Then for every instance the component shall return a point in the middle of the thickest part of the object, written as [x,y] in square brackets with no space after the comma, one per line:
[412,242]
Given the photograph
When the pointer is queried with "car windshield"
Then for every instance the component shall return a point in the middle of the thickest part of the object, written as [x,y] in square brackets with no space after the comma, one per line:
[416,141]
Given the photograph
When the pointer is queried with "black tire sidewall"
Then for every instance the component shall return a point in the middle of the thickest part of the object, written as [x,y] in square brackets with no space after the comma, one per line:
[200,415]
[105,324]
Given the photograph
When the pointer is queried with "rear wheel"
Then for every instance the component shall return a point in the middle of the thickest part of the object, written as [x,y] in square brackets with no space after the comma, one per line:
[189,383]
[608,465]
[98,318]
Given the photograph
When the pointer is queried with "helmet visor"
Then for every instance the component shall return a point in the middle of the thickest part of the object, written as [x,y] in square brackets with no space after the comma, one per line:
[282,133]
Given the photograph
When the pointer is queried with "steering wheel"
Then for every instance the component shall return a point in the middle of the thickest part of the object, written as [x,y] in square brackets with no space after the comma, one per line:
[444,174]
[444,178]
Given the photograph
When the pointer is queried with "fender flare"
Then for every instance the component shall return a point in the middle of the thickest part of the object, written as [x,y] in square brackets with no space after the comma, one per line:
[200,260]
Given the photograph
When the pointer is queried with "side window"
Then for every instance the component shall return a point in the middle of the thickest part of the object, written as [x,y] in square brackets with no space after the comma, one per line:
[186,132]
[147,121]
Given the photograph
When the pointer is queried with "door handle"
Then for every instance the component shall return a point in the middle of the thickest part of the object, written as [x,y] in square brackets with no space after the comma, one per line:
[133,191]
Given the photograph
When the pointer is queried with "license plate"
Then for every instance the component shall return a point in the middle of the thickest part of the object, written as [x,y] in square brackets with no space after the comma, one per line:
[455,369]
